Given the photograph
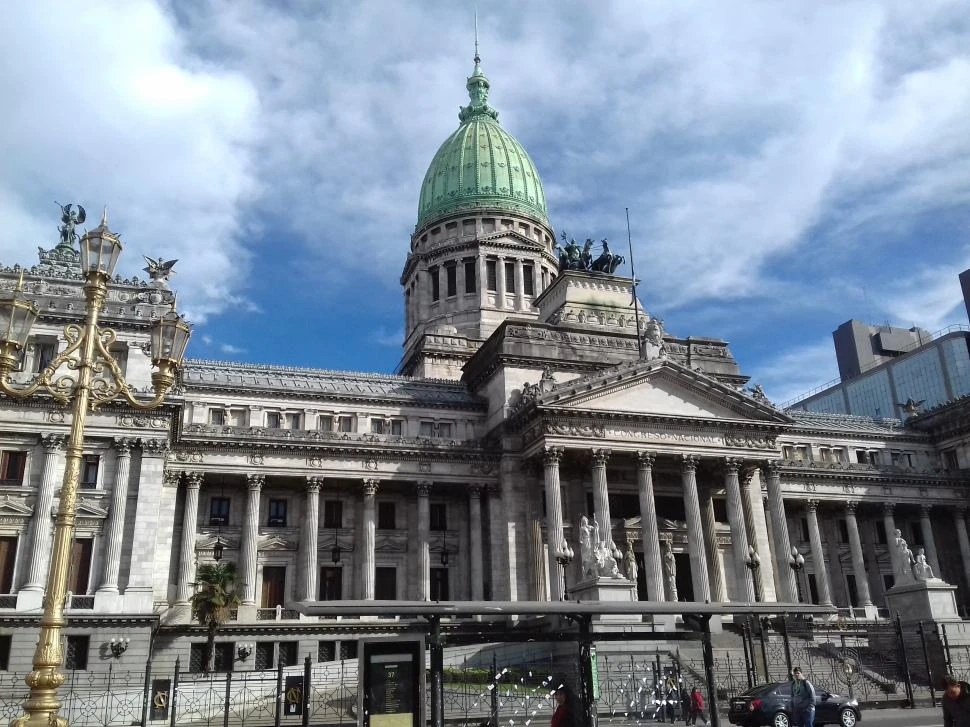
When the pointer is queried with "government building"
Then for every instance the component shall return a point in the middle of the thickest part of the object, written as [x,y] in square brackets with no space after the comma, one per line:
[532,393]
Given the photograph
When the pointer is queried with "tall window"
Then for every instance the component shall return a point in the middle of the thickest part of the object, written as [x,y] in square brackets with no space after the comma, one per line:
[273,419]
[435,284]
[470,276]
[224,657]
[509,277]
[528,284]
[331,583]
[89,471]
[277,513]
[325,423]
[439,516]
[76,657]
[386,516]
[12,466]
[219,511]
[333,514]
[377,426]
[8,556]
[79,573]
[44,352]
[217,417]
[439,584]
[385,583]
[345,424]
[451,280]
[293,420]
[491,275]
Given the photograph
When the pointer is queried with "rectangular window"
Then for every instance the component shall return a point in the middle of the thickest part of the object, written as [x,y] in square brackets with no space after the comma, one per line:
[439,516]
[5,652]
[385,583]
[426,429]
[824,455]
[44,353]
[439,584]
[79,572]
[8,557]
[327,651]
[89,471]
[12,466]
[435,284]
[119,352]
[950,461]
[345,424]
[509,277]
[273,419]
[224,654]
[293,420]
[325,423]
[470,286]
[264,655]
[217,417]
[491,281]
[528,284]
[397,427]
[331,583]
[377,426]
[277,514]
[219,511]
[444,429]
[843,531]
[77,652]
[348,649]
[288,651]
[787,452]
[333,514]
[451,280]
[386,516]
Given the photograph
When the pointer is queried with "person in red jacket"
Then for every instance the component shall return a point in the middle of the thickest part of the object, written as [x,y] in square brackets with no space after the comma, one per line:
[696,707]
[563,716]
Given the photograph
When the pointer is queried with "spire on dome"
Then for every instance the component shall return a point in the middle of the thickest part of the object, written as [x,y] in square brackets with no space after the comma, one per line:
[477,85]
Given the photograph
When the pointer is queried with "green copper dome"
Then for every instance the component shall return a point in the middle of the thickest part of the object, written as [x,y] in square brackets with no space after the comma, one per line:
[481,165]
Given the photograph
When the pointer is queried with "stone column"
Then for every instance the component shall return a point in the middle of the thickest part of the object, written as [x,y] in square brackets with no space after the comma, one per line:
[116,517]
[190,522]
[537,559]
[652,562]
[929,543]
[601,495]
[818,555]
[368,538]
[519,285]
[43,520]
[500,282]
[960,522]
[482,280]
[759,536]
[781,546]
[709,524]
[889,523]
[695,532]
[477,571]
[250,539]
[855,550]
[551,458]
[424,542]
[309,540]
[739,533]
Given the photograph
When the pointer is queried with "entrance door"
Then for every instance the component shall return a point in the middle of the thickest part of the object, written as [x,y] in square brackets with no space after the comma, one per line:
[274,586]
[642,594]
[685,583]
[8,556]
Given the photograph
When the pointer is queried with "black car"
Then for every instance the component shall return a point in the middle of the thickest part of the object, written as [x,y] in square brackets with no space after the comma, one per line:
[770,704]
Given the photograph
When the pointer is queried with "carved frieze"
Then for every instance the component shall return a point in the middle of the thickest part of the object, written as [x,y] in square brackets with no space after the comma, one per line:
[395,541]
[142,421]
[187,457]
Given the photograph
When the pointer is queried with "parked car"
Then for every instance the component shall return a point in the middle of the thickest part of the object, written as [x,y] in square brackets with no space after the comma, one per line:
[770,704]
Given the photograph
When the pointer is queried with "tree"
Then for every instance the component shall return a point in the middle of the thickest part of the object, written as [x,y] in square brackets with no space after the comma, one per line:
[213,603]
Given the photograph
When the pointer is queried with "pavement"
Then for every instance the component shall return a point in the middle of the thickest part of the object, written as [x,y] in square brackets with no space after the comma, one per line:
[919,717]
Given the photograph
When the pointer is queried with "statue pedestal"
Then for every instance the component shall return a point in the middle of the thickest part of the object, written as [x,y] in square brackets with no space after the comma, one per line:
[931,600]
[607,590]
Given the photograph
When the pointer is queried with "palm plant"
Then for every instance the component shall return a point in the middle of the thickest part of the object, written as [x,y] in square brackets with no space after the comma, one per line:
[213,603]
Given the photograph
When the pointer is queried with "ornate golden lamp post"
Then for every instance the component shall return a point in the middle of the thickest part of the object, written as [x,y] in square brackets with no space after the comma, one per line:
[98,380]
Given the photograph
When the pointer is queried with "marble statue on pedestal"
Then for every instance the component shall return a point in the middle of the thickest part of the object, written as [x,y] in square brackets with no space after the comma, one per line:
[904,560]
[922,570]
[596,554]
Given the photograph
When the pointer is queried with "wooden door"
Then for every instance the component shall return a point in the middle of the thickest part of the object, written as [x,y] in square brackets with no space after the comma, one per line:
[274,586]
[8,556]
[80,569]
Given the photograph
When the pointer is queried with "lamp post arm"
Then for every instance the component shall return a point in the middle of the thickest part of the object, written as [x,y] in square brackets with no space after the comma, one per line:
[42,705]
[104,390]
[60,387]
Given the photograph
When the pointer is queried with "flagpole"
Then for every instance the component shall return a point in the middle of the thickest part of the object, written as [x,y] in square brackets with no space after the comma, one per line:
[633,272]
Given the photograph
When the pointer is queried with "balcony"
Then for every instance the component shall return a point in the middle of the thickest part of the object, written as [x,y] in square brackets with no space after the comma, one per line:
[277,613]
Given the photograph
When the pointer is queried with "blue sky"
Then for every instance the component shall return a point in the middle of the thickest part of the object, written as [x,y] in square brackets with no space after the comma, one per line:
[787,166]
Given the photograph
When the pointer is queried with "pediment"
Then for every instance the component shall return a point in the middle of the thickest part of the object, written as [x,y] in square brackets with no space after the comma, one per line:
[275,542]
[659,388]
[505,235]
[15,508]
[89,508]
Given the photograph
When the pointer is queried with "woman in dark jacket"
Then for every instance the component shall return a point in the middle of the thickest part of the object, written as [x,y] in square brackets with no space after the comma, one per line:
[956,703]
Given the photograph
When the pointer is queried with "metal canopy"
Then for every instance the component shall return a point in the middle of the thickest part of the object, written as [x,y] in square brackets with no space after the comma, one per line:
[445,609]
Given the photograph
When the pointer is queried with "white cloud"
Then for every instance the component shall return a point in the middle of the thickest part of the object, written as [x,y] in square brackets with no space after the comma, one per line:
[794,372]
[230,349]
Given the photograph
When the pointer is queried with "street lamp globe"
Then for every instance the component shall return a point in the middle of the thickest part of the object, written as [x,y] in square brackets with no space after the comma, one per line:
[17,316]
[100,249]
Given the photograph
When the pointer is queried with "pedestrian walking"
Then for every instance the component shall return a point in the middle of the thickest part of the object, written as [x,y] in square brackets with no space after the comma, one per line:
[696,707]
[956,702]
[802,699]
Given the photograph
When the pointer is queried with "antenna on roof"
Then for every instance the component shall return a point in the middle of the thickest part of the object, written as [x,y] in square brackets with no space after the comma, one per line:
[477,59]
[633,272]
